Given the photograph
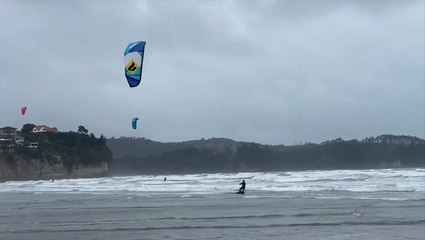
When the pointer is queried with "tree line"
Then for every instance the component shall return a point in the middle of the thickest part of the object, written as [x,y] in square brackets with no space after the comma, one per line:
[224,155]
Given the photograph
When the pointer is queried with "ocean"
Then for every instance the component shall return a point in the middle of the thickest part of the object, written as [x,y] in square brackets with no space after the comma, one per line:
[339,204]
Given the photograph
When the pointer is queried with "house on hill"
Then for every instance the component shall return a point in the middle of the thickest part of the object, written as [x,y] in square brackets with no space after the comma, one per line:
[44,128]
[9,131]
[9,137]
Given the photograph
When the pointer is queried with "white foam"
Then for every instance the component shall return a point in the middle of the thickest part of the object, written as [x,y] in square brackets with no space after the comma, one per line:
[356,181]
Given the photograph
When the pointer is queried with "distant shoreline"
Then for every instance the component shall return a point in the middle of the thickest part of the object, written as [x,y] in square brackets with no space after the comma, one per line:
[133,156]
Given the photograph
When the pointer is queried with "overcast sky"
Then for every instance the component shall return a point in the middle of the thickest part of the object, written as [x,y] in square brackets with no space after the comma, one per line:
[273,72]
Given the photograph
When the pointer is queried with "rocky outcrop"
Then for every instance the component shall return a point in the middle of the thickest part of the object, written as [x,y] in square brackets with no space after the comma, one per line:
[34,169]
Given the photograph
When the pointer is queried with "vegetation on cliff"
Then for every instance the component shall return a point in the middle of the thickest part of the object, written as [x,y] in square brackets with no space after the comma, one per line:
[70,149]
[140,155]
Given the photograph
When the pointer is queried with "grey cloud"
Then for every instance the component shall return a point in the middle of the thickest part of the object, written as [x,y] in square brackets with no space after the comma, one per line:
[266,71]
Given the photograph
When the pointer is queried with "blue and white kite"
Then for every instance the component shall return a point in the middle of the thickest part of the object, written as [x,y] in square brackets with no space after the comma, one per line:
[134,123]
[133,62]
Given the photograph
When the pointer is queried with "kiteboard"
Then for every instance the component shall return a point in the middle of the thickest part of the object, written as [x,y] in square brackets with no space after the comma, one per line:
[239,192]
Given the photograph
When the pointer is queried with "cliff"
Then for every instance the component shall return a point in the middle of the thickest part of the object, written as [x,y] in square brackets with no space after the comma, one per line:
[58,155]
[35,169]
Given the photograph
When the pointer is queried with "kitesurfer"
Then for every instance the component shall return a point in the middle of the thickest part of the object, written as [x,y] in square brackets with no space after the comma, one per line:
[242,189]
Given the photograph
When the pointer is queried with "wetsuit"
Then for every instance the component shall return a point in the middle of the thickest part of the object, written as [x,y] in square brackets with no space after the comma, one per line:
[242,189]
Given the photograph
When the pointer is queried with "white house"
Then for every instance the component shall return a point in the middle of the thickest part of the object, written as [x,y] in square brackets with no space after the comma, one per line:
[43,128]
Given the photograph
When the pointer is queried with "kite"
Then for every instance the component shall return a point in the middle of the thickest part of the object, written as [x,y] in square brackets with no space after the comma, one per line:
[134,123]
[133,62]
[23,110]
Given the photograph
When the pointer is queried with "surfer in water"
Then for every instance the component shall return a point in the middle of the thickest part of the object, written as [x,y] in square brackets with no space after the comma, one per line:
[242,189]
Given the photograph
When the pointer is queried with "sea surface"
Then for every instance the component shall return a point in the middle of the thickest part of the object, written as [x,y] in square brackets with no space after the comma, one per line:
[341,204]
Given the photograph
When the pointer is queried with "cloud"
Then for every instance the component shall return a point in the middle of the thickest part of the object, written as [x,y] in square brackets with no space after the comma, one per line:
[267,71]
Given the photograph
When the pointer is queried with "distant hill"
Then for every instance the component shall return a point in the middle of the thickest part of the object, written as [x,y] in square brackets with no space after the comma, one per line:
[141,147]
[144,156]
